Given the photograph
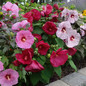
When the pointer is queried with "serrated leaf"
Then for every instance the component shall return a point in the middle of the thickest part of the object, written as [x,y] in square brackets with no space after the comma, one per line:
[58,70]
[72,65]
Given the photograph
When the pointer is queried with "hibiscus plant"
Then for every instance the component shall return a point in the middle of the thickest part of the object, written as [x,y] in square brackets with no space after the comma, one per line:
[37,40]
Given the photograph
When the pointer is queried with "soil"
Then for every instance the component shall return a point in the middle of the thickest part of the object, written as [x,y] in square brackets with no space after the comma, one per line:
[66,70]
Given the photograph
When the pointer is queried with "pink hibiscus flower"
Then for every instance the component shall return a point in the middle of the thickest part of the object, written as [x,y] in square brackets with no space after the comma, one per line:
[83,29]
[73,38]
[59,57]
[19,25]
[34,67]
[65,13]
[73,16]
[63,29]
[9,77]
[24,39]
[11,7]
[1,66]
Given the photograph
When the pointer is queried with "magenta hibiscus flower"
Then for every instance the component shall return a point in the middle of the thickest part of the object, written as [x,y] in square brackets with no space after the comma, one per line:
[24,39]
[59,57]
[34,67]
[25,57]
[71,51]
[9,77]
[42,47]
[0,24]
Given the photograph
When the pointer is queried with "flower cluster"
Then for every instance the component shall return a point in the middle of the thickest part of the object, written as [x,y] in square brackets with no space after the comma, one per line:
[37,41]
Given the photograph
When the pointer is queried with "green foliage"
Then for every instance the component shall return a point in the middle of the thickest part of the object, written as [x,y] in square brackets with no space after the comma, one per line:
[72,65]
[35,78]
[58,70]
[47,73]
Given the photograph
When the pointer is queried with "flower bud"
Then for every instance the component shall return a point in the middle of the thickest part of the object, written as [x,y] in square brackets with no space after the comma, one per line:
[69,57]
[48,55]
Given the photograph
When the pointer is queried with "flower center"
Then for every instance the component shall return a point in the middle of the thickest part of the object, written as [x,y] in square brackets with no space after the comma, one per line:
[72,15]
[8,76]
[25,58]
[23,39]
[63,29]
[50,29]
[72,38]
[40,47]
[8,9]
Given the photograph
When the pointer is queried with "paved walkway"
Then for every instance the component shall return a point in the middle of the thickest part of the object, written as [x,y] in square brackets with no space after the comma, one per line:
[74,79]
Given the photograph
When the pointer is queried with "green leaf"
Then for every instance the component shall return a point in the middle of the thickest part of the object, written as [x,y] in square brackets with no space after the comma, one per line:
[13,67]
[58,70]
[72,65]
[41,60]
[35,78]
[38,30]
[47,73]
[5,61]
[59,42]
[22,74]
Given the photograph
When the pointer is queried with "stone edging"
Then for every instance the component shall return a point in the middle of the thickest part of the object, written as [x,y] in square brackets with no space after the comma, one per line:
[74,79]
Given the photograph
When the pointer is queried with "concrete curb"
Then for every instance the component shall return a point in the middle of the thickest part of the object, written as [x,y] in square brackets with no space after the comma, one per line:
[74,79]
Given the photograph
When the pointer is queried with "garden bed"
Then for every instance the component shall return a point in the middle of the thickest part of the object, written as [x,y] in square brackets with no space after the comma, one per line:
[67,70]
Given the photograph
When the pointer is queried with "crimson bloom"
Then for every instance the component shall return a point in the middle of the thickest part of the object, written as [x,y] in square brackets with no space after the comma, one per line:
[29,17]
[56,6]
[16,63]
[50,28]
[36,14]
[25,57]
[59,57]
[42,47]
[0,24]
[71,51]
[32,15]
[37,36]
[34,67]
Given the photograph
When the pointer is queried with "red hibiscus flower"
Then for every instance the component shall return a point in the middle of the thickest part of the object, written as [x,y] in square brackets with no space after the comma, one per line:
[26,56]
[37,36]
[0,24]
[42,47]
[29,17]
[50,28]
[46,10]
[56,6]
[16,63]
[32,1]
[36,14]
[71,51]
[49,9]
[59,57]
[34,67]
